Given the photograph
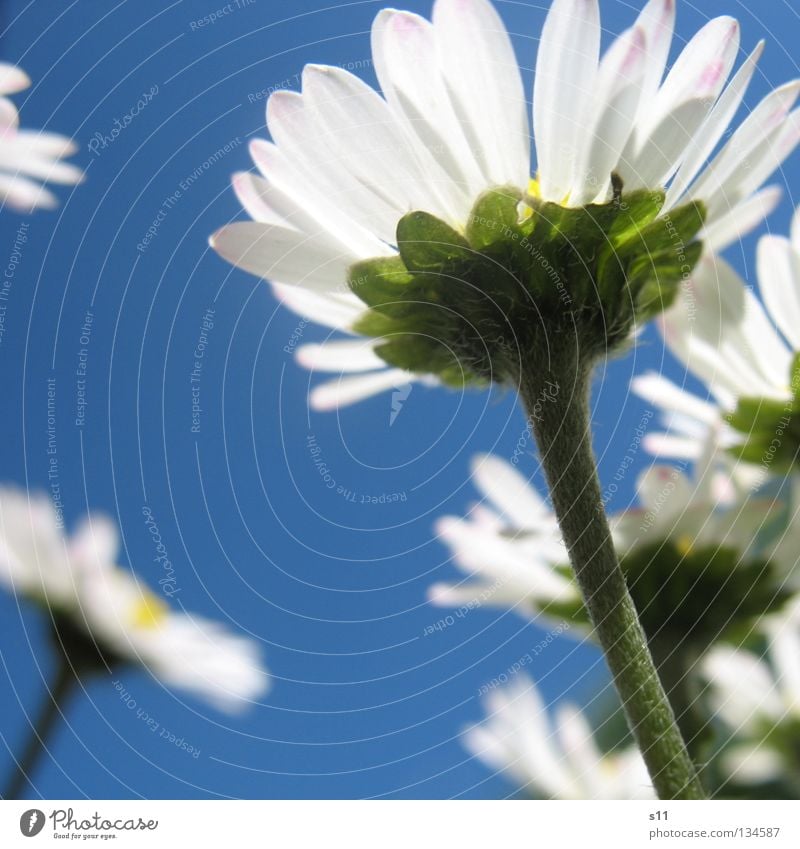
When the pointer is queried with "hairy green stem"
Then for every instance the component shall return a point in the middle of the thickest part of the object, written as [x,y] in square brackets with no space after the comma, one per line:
[556,396]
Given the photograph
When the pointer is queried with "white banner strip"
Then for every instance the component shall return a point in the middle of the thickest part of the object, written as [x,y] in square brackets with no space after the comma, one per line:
[401,824]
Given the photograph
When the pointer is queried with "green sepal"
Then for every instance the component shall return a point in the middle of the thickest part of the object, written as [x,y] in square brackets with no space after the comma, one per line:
[494,218]
[428,244]
[489,299]
[704,595]
[383,284]
[636,211]
[770,428]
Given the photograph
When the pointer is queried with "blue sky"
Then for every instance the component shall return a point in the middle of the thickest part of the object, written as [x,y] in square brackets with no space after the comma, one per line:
[332,587]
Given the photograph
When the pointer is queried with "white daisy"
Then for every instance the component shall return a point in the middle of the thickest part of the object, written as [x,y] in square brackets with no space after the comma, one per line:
[28,156]
[76,579]
[553,758]
[756,697]
[510,549]
[346,164]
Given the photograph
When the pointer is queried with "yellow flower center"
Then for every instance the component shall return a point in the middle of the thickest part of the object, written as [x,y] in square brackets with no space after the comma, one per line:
[149,610]
[684,544]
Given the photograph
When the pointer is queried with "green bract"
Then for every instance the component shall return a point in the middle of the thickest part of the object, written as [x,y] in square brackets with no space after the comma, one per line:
[771,428]
[469,307]
[692,598]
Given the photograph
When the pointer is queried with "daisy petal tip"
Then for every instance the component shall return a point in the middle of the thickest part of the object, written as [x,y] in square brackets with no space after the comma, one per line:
[15,79]
[322,400]
[439,595]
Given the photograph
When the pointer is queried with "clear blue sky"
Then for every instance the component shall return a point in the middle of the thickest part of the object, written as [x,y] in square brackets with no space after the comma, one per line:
[333,589]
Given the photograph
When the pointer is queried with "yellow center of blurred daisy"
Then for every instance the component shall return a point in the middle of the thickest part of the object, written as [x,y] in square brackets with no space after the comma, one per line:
[149,610]
[684,545]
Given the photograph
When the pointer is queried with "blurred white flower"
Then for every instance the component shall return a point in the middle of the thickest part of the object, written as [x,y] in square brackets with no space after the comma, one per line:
[722,332]
[29,158]
[756,697]
[553,758]
[510,548]
[345,164]
[75,578]
[513,554]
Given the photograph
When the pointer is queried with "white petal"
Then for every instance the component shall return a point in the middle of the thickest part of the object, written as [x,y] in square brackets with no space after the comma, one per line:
[795,232]
[566,70]
[350,390]
[616,102]
[714,185]
[486,86]
[779,278]
[341,356]
[339,311]
[282,254]
[47,144]
[752,764]
[730,227]
[295,198]
[682,104]
[784,650]
[24,195]
[743,691]
[95,543]
[581,751]
[663,393]
[406,60]
[765,160]
[719,330]
[252,194]
[665,491]
[716,124]
[9,120]
[700,72]
[16,158]
[313,151]
[510,492]
[369,140]
[657,20]
[12,79]
[665,446]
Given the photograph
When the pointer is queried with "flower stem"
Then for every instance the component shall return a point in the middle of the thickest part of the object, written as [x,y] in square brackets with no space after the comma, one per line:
[556,396]
[41,729]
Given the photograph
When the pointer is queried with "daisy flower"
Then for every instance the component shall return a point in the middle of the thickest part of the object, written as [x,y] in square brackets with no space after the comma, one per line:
[102,612]
[509,547]
[699,555]
[29,158]
[552,758]
[758,698]
[346,165]
[746,352]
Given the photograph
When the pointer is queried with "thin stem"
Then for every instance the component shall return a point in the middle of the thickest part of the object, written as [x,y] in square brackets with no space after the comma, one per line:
[41,729]
[676,664]
[557,401]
